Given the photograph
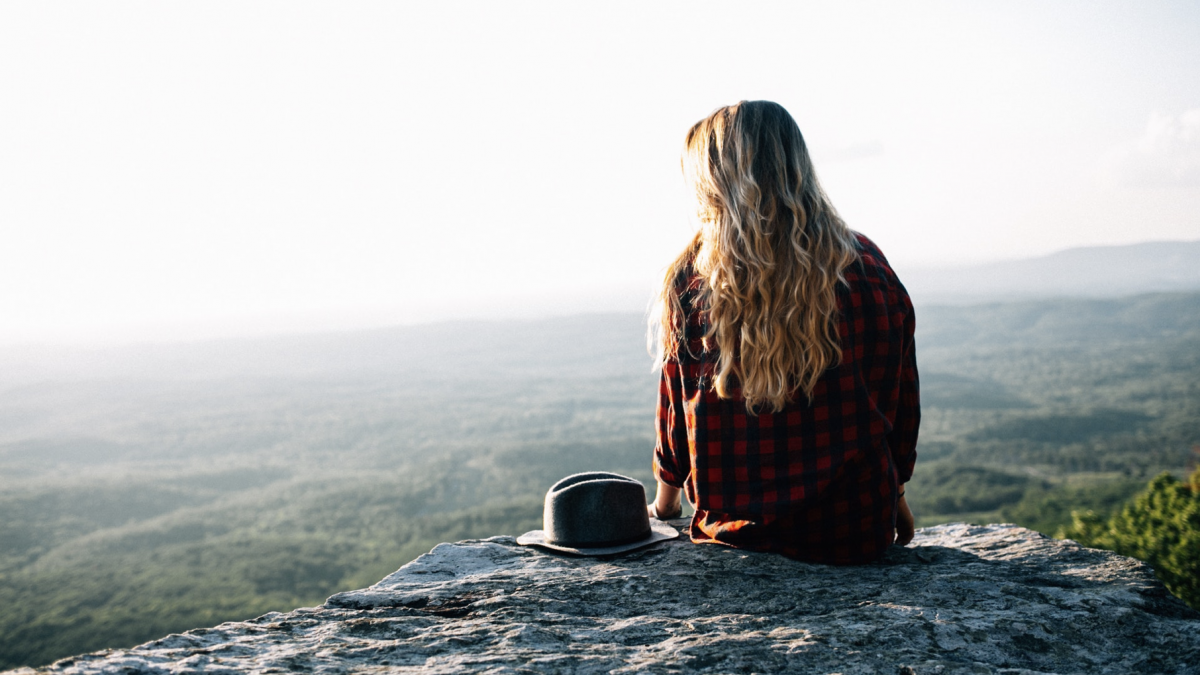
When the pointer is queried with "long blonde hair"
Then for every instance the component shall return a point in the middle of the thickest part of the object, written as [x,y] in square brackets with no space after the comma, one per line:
[770,252]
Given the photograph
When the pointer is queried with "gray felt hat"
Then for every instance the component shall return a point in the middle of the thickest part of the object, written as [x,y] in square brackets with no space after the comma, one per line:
[597,514]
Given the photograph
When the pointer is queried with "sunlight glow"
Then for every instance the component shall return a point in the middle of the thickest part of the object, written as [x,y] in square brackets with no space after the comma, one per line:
[182,170]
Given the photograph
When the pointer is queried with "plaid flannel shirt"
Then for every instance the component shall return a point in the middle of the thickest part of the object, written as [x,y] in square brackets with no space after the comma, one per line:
[816,481]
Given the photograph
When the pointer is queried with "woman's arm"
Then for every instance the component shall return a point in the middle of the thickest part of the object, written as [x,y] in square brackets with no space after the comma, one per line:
[903,438]
[905,525]
[672,461]
[667,503]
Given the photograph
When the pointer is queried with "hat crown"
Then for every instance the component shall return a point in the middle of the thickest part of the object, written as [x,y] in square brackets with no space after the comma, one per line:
[596,509]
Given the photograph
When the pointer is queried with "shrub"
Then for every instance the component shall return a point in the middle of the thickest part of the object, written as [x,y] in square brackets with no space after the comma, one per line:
[1161,526]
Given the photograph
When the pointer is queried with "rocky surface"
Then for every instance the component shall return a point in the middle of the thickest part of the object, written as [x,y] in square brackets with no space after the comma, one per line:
[960,599]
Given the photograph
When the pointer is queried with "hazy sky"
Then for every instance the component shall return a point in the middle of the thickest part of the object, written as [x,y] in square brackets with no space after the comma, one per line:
[192,169]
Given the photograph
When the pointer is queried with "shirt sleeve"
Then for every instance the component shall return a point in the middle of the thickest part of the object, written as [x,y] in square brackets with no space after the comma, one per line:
[672,463]
[903,438]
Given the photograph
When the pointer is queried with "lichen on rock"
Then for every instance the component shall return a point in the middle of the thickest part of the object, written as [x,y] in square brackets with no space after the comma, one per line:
[960,598]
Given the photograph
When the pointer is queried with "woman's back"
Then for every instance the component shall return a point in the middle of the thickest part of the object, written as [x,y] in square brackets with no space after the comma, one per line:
[817,480]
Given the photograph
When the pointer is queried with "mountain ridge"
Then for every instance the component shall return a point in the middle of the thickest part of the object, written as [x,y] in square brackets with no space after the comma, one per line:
[1092,271]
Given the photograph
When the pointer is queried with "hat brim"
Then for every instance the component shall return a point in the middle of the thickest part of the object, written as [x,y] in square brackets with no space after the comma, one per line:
[659,531]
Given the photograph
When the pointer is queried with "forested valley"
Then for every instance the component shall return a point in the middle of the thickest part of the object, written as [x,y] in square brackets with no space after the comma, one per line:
[146,490]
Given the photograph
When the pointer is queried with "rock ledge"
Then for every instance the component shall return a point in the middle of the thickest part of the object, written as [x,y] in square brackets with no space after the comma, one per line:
[960,599]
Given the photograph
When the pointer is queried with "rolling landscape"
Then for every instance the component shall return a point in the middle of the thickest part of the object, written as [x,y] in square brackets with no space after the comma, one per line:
[151,489]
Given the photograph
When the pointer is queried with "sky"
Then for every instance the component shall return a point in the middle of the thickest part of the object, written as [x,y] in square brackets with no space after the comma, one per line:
[187,170]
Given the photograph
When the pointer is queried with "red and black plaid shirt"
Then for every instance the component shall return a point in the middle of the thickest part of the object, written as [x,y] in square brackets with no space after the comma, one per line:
[816,481]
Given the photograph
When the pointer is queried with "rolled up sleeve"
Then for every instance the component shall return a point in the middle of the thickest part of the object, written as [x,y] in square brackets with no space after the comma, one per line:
[672,464]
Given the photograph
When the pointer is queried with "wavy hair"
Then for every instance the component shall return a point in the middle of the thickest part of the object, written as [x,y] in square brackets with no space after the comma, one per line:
[770,252]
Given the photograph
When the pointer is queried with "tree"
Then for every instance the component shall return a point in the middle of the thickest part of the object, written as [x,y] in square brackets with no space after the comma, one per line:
[1160,526]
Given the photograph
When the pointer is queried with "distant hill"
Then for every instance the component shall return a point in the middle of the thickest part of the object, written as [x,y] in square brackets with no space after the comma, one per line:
[470,348]
[1096,271]
[573,345]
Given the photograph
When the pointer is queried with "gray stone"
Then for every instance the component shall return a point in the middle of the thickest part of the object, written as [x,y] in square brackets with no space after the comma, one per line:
[960,599]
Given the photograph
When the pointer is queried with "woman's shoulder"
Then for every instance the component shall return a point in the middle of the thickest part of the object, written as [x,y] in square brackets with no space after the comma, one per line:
[872,277]
[688,286]
[870,254]
[873,265]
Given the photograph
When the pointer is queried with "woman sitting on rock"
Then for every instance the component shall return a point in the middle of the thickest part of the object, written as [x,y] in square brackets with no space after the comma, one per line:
[788,406]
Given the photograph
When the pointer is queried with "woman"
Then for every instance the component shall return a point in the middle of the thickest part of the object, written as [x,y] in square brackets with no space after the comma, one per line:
[788,406]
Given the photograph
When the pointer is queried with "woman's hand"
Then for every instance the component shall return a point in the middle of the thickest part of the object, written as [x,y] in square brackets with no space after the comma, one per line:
[905,526]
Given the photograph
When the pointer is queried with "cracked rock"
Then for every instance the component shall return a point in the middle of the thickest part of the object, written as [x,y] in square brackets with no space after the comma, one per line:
[959,599]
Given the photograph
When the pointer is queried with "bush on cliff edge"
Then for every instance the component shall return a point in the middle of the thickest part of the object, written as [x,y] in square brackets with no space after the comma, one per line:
[1160,526]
